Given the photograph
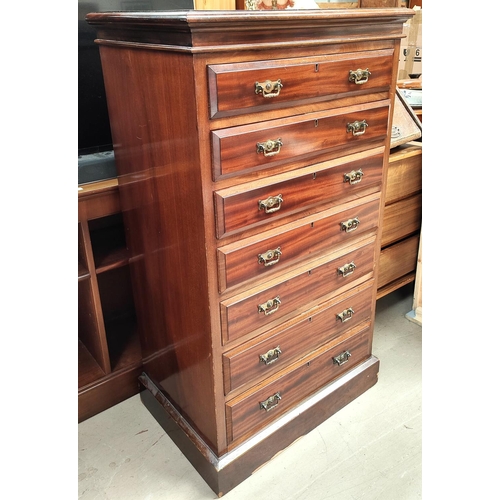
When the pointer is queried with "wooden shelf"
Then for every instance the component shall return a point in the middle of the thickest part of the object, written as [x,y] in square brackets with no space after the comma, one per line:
[109,351]
[108,243]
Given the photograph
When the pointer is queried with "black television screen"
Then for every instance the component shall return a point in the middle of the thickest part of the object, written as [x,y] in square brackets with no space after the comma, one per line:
[95,144]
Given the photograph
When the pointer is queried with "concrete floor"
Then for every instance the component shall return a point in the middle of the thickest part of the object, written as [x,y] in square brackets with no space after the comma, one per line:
[371,449]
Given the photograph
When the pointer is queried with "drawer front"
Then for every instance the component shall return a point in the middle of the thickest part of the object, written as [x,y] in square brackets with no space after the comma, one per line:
[254,204]
[401,219]
[404,176]
[260,310]
[253,410]
[268,354]
[273,252]
[268,144]
[256,86]
[397,260]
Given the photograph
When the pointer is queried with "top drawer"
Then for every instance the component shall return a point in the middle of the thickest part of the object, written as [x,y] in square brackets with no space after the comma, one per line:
[260,85]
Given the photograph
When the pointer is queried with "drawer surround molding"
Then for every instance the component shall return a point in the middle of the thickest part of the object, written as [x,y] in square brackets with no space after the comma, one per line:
[168,174]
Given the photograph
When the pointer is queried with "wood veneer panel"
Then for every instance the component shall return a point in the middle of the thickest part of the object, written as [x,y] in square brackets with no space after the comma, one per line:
[240,207]
[158,164]
[404,176]
[310,136]
[108,391]
[233,86]
[397,260]
[401,219]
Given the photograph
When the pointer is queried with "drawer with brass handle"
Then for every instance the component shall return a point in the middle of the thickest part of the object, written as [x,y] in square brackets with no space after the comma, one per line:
[273,252]
[255,204]
[264,355]
[259,406]
[308,137]
[258,309]
[237,88]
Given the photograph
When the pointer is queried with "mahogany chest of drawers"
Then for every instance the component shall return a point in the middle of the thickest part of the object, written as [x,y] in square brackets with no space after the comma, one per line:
[251,150]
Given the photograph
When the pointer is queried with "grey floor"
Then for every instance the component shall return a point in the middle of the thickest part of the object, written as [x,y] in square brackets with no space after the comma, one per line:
[370,450]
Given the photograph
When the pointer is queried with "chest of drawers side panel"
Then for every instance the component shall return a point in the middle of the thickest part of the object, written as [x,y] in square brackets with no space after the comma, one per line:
[151,100]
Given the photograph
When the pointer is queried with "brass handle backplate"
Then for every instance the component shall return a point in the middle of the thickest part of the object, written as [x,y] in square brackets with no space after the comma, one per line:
[270,147]
[271,204]
[354,176]
[271,356]
[270,307]
[270,257]
[342,358]
[357,127]
[346,314]
[268,88]
[346,270]
[271,402]
[359,76]
[349,225]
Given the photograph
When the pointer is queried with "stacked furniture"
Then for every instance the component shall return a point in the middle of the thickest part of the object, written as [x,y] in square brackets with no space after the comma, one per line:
[252,152]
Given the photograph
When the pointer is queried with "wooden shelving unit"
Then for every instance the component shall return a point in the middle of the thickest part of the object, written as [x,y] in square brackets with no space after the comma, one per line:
[109,354]
[402,219]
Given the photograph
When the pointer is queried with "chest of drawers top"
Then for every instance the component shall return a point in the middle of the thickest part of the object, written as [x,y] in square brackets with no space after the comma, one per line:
[215,31]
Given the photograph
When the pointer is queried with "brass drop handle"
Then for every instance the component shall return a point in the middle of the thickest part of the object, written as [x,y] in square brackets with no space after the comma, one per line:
[271,402]
[354,176]
[271,204]
[342,358]
[357,127]
[271,356]
[359,76]
[270,257]
[349,225]
[346,315]
[268,88]
[270,307]
[270,147]
[346,270]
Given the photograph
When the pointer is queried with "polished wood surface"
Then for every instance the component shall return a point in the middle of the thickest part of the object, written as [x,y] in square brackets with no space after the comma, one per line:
[404,173]
[240,313]
[244,365]
[299,380]
[239,207]
[307,137]
[183,149]
[109,353]
[232,86]
[307,238]
[402,217]
[398,261]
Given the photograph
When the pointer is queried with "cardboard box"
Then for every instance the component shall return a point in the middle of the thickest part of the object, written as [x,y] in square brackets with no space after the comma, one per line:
[410,56]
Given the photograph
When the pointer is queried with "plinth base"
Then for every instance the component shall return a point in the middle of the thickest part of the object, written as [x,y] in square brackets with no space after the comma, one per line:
[224,473]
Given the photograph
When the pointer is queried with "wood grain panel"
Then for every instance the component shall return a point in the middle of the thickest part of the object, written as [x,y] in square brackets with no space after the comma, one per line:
[240,262]
[239,207]
[244,364]
[240,314]
[232,86]
[397,260]
[245,412]
[401,219]
[404,176]
[235,149]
